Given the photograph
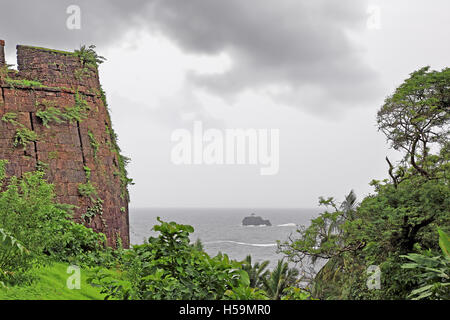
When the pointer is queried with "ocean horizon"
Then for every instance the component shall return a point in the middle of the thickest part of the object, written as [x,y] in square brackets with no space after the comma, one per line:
[221,229]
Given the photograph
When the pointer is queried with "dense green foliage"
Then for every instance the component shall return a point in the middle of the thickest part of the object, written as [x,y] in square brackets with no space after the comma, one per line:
[280,279]
[30,218]
[169,267]
[433,271]
[280,283]
[256,272]
[416,116]
[401,218]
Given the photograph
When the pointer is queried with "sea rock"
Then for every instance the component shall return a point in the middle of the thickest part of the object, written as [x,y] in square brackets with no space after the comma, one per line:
[255,221]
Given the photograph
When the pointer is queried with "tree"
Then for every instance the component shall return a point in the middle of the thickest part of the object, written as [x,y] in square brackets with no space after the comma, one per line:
[416,120]
[416,117]
[323,239]
[256,272]
[400,217]
[281,278]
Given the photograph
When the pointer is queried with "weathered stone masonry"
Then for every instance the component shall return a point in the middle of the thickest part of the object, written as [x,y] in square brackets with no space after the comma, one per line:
[73,153]
[2,52]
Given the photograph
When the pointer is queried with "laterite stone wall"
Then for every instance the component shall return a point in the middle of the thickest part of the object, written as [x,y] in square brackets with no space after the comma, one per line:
[50,78]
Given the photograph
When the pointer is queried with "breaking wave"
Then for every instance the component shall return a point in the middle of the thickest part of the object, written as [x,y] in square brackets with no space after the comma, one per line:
[243,243]
[287,225]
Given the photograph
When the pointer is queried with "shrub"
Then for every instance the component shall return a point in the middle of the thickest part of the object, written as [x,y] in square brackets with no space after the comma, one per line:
[31,218]
[169,267]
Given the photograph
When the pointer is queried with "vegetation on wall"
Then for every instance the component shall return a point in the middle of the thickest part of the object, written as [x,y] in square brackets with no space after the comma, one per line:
[83,241]
[51,113]
[96,210]
[89,57]
[23,135]
[122,161]
[10,117]
[87,189]
[23,83]
[94,143]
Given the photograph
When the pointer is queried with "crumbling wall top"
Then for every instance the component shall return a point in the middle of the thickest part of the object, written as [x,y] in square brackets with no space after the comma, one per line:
[55,68]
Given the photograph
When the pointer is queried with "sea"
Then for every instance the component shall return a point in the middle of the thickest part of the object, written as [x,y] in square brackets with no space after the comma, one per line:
[221,230]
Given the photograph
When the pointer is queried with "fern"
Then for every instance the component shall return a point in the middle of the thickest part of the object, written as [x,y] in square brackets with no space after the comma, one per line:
[24,136]
[89,57]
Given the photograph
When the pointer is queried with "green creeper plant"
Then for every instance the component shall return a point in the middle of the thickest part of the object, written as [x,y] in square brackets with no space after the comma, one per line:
[24,136]
[94,143]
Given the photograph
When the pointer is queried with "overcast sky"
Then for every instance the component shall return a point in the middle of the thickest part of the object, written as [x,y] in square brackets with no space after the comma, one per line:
[316,70]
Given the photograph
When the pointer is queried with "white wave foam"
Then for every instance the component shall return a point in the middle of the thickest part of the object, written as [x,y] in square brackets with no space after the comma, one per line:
[287,225]
[243,243]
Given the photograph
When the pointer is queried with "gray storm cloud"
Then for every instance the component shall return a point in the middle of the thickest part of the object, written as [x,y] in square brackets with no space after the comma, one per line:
[44,22]
[301,45]
[298,44]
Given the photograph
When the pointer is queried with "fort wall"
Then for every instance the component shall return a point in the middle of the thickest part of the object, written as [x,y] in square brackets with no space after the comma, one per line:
[58,100]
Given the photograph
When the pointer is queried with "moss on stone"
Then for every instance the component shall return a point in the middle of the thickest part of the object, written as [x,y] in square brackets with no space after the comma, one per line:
[69,53]
[23,83]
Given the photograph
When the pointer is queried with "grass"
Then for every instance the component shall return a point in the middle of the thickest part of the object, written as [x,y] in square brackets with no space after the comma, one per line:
[51,285]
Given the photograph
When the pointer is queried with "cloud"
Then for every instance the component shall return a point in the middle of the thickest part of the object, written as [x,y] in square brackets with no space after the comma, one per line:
[44,22]
[181,109]
[299,45]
